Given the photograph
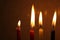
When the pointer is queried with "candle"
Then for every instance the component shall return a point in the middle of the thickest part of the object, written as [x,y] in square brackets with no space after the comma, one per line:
[41,34]
[18,30]
[31,34]
[41,28]
[53,27]
[32,23]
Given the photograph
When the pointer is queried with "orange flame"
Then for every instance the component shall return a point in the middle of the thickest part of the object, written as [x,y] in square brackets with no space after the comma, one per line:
[32,17]
[19,23]
[40,18]
[54,19]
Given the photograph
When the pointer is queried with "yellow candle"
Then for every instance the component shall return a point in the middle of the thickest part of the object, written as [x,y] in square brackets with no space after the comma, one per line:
[41,28]
[41,32]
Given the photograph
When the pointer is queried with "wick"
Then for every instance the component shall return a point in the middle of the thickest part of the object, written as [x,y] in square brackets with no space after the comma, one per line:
[53,28]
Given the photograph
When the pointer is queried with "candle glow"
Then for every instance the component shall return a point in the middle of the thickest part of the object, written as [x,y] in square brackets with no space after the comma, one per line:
[40,18]
[32,17]
[41,31]
[19,23]
[54,19]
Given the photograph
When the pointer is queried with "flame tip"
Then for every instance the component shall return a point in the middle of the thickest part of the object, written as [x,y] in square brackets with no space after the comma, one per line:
[19,23]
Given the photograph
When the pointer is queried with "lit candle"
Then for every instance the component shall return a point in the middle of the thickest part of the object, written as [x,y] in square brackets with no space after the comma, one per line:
[41,28]
[53,25]
[32,23]
[18,30]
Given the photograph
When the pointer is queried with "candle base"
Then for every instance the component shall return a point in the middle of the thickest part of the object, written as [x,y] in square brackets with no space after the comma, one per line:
[31,34]
[53,35]
[18,33]
[41,34]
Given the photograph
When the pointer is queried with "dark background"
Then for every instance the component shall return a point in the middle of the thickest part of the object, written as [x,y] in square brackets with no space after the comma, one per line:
[13,10]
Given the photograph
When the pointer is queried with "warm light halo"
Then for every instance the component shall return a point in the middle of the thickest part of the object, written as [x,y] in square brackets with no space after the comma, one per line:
[41,29]
[19,23]
[32,17]
[54,19]
[40,18]
[41,32]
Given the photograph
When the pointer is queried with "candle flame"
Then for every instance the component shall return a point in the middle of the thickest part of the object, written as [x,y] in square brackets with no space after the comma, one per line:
[40,18]
[54,19]
[32,17]
[19,23]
